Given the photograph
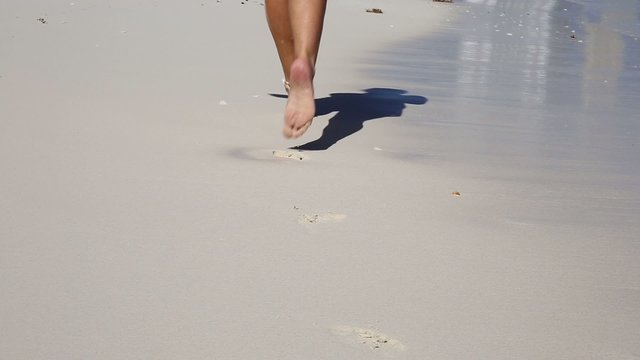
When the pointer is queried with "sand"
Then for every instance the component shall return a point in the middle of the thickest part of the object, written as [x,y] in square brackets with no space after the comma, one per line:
[470,188]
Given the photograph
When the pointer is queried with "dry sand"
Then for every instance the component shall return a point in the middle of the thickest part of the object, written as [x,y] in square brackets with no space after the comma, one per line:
[151,210]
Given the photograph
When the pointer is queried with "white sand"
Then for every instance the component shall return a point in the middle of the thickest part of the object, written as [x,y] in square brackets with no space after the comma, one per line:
[145,214]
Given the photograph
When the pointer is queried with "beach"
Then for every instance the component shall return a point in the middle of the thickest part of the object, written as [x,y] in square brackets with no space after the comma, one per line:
[470,187]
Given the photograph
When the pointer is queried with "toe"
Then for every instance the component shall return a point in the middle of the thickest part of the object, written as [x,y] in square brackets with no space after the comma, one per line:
[301,130]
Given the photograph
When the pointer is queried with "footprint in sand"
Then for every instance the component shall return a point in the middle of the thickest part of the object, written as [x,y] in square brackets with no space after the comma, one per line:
[267,155]
[319,218]
[289,154]
[372,338]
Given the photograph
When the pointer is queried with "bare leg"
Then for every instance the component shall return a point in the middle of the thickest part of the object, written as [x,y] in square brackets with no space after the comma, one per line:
[296,26]
[280,26]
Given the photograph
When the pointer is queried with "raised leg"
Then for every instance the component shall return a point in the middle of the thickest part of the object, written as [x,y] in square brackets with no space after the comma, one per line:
[296,26]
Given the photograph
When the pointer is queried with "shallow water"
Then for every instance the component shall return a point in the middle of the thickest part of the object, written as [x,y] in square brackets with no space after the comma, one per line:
[541,83]
[622,15]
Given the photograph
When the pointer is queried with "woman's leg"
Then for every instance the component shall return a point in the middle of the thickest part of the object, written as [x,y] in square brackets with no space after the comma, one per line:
[280,26]
[296,26]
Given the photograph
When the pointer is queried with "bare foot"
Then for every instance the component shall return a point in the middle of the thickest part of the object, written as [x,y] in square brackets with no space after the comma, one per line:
[301,107]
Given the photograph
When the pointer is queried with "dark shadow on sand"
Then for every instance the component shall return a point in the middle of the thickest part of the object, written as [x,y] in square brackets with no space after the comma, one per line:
[353,109]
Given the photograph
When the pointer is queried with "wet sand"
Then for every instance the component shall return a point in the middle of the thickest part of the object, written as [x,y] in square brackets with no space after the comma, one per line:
[470,187]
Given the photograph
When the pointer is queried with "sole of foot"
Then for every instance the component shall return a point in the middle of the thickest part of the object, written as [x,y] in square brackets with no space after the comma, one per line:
[300,108]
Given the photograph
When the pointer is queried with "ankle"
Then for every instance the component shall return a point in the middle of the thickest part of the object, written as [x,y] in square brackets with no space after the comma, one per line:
[304,64]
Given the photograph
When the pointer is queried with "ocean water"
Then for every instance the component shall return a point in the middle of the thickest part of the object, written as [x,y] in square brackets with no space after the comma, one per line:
[619,15]
[546,84]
